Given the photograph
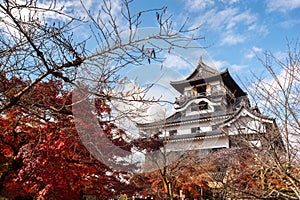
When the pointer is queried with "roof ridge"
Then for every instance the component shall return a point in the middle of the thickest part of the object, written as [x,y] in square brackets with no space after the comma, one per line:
[201,67]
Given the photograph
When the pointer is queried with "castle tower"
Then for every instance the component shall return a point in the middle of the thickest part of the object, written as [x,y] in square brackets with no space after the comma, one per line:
[210,113]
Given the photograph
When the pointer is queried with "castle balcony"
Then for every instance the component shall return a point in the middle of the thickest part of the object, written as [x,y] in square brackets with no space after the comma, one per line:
[195,135]
[183,99]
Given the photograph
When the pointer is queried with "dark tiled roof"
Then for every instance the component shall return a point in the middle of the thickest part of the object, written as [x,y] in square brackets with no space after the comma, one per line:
[205,74]
[195,135]
[202,71]
[253,111]
[178,118]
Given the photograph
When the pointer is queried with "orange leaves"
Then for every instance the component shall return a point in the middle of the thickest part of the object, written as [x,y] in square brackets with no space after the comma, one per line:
[40,147]
[149,53]
[101,106]
[122,81]
[60,145]
[7,152]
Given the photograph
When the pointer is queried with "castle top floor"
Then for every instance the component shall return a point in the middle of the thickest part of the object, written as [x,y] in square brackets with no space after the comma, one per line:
[207,82]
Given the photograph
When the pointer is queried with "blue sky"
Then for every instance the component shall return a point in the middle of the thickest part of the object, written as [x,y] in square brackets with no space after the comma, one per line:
[236,30]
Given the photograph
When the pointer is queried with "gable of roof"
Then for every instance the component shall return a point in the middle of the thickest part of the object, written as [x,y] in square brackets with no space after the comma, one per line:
[244,111]
[224,76]
[202,71]
[178,119]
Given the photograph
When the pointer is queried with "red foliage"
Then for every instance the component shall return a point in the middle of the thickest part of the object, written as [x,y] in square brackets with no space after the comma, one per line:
[41,154]
[149,144]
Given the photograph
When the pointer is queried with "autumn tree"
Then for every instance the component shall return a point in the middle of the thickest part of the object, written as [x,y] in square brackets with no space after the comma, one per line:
[42,61]
[42,155]
[39,42]
[278,93]
[167,175]
[270,168]
[194,174]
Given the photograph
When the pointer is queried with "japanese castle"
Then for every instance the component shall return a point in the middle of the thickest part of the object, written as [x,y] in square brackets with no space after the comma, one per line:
[211,113]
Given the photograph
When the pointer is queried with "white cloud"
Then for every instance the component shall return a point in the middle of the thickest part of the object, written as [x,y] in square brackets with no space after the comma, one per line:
[276,87]
[256,49]
[68,7]
[232,39]
[27,13]
[193,5]
[246,18]
[217,64]
[259,28]
[290,23]
[158,112]
[232,24]
[252,53]
[280,55]
[230,1]
[62,6]
[236,68]
[226,19]
[176,62]
[238,22]
[217,20]
[282,5]
[221,65]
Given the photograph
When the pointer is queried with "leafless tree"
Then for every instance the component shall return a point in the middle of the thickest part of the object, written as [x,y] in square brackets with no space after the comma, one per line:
[278,93]
[271,169]
[86,50]
[46,41]
[265,162]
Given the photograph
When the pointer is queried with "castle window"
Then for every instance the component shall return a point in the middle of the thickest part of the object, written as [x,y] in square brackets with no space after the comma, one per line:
[194,107]
[201,89]
[195,130]
[217,89]
[202,105]
[194,91]
[172,132]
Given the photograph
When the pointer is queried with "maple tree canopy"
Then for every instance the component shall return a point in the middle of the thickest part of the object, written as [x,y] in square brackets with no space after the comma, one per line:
[41,154]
